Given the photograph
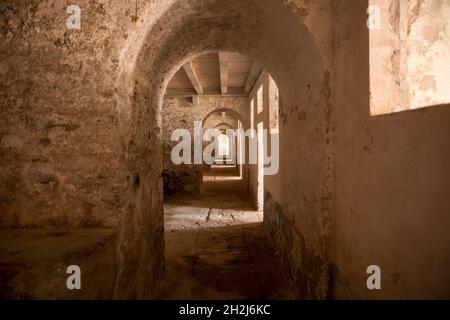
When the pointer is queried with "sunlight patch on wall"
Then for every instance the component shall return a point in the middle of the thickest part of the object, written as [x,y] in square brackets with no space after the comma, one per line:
[409,54]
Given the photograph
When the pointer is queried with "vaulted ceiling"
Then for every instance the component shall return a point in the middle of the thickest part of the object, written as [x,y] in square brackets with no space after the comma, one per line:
[219,73]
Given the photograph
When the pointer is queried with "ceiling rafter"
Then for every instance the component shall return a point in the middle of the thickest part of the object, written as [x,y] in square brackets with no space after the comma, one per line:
[252,76]
[223,62]
[192,75]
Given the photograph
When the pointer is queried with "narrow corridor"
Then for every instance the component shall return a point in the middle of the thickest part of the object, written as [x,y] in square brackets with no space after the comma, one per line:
[217,247]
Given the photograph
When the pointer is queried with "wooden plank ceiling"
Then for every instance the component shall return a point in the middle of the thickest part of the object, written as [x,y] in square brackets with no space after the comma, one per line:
[219,73]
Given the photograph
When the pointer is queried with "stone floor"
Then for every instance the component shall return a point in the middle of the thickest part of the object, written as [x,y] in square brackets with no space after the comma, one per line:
[217,247]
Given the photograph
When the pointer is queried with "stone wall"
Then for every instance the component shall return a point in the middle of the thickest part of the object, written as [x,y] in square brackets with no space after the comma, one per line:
[302,266]
[56,94]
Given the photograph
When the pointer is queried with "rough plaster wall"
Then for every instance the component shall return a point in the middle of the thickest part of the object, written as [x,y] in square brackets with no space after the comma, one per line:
[428,70]
[392,182]
[56,94]
[409,55]
[180,114]
[81,133]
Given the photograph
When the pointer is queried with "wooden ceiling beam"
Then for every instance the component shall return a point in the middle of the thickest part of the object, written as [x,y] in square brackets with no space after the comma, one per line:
[253,74]
[192,75]
[223,62]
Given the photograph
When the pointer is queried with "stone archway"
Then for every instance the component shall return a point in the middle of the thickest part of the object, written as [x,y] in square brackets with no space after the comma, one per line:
[268,31]
[234,113]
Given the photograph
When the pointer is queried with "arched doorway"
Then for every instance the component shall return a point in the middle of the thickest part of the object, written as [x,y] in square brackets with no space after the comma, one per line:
[256,29]
[227,122]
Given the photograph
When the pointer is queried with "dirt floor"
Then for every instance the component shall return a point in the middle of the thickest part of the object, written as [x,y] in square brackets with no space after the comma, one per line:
[217,247]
